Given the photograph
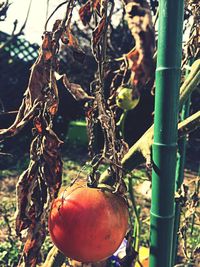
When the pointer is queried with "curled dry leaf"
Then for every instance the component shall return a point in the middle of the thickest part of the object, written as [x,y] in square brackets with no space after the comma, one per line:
[41,88]
[98,33]
[96,4]
[47,46]
[85,13]
[72,43]
[36,237]
[76,90]
[69,39]
[38,185]
[140,59]
[43,175]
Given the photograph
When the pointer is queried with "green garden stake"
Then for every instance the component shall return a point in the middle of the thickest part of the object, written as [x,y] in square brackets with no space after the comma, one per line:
[168,73]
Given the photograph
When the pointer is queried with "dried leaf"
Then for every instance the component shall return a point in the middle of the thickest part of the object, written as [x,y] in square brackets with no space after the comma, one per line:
[43,175]
[98,32]
[38,125]
[141,61]
[85,13]
[96,4]
[35,239]
[69,39]
[52,161]
[56,25]
[41,181]
[47,46]
[24,187]
[76,90]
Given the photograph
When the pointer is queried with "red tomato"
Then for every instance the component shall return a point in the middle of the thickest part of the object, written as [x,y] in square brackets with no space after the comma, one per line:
[88,224]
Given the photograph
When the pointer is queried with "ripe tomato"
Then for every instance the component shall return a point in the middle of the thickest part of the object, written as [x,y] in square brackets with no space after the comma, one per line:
[88,224]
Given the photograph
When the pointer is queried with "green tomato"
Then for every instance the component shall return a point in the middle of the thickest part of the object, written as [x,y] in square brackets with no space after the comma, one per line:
[124,98]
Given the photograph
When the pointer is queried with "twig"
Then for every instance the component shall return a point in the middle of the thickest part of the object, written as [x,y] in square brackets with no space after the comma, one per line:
[61,4]
[54,258]
[190,83]
[13,35]
[189,125]
[8,112]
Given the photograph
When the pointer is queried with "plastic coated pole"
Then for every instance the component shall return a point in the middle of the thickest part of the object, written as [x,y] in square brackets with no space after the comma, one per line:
[165,131]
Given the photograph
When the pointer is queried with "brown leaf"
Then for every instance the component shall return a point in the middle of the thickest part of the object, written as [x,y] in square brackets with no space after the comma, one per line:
[34,96]
[76,90]
[85,13]
[38,185]
[35,239]
[98,32]
[69,39]
[24,187]
[38,125]
[42,176]
[141,61]
[47,46]
[96,4]
[56,25]
[53,163]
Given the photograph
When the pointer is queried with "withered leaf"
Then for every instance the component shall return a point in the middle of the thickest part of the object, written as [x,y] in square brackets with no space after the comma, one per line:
[69,39]
[42,176]
[96,4]
[40,182]
[52,161]
[141,61]
[38,125]
[98,32]
[76,90]
[24,190]
[47,46]
[85,13]
[35,239]
[56,25]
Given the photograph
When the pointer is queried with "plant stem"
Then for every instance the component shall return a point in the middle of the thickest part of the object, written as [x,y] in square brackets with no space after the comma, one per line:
[137,219]
[54,258]
[121,122]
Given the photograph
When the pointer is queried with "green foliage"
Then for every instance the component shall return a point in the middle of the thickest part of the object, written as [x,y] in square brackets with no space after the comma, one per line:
[9,253]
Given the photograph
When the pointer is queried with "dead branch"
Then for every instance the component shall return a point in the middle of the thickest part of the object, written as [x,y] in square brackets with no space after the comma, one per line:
[189,125]
[190,83]
[14,35]
[54,258]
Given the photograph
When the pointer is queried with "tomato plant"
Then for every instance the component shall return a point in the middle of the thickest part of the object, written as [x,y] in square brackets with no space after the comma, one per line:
[88,224]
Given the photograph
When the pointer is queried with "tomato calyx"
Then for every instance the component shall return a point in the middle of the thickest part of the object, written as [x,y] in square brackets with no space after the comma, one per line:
[106,187]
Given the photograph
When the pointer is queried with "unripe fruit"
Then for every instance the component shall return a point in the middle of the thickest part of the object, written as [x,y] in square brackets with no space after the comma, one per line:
[126,99]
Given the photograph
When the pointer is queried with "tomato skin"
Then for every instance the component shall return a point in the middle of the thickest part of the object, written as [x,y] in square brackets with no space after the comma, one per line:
[87,224]
[125,100]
